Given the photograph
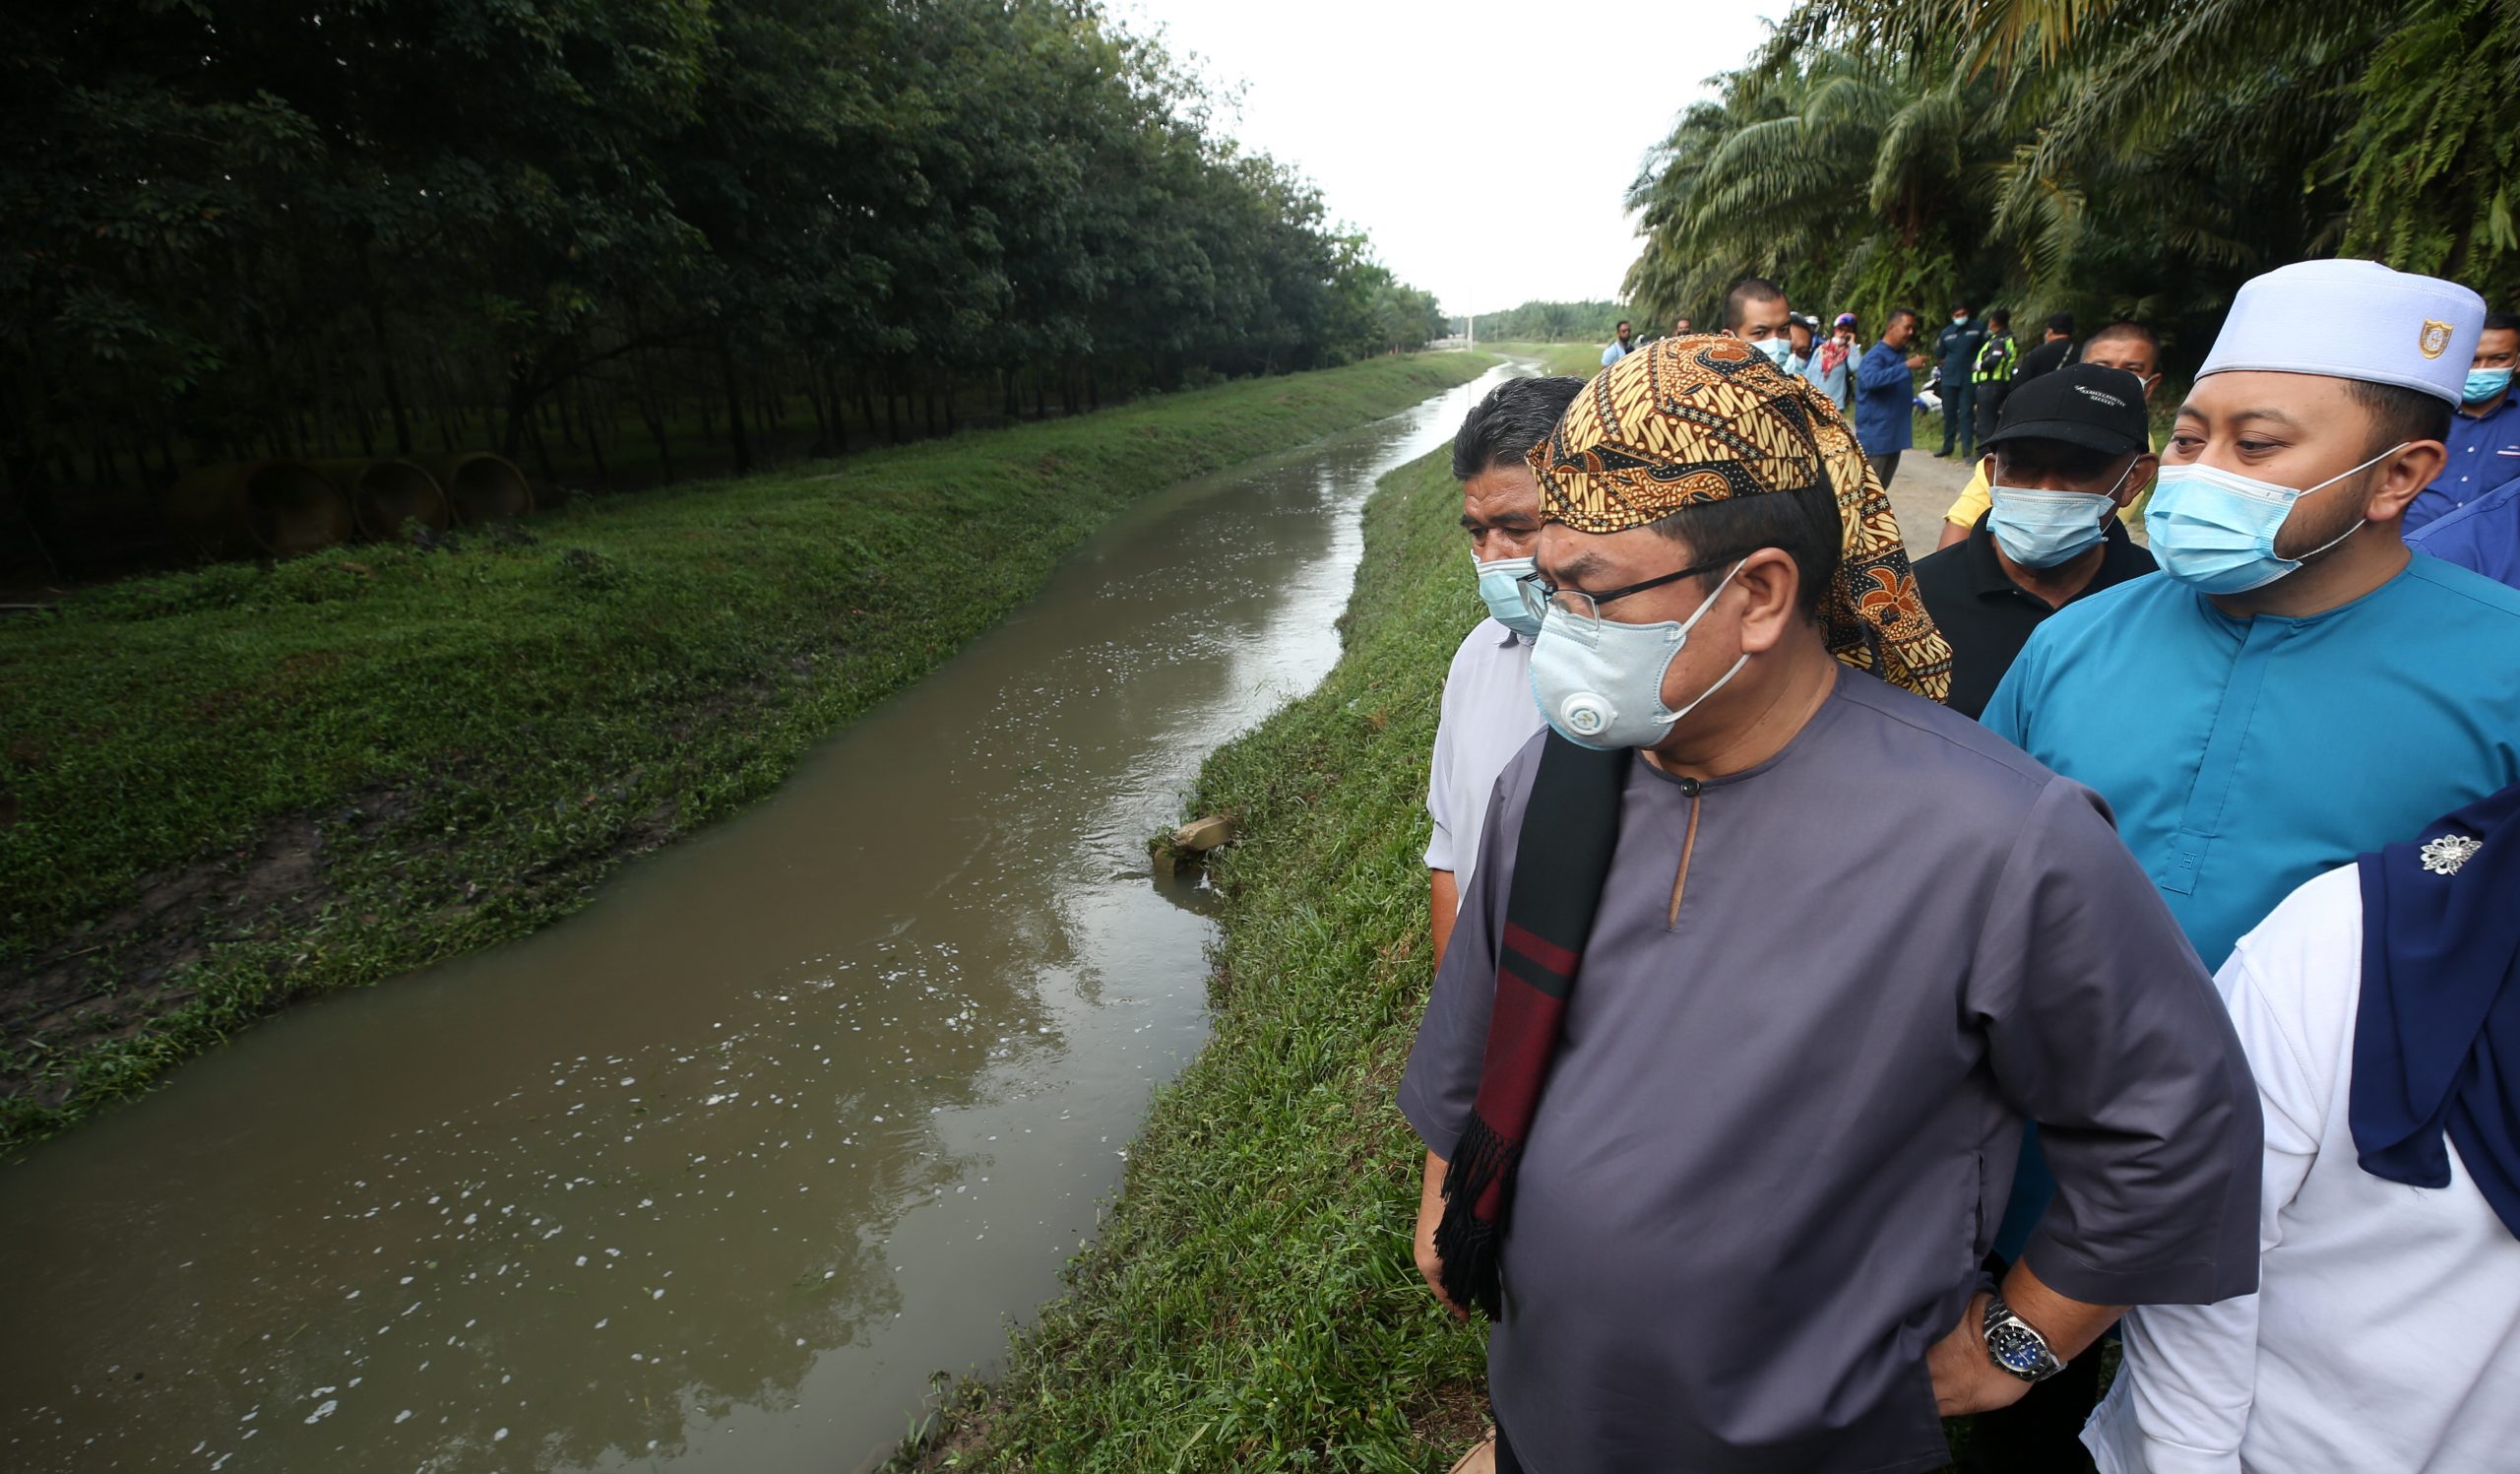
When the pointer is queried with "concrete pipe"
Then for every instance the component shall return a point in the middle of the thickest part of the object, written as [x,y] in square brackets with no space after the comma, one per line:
[259,508]
[386,494]
[480,487]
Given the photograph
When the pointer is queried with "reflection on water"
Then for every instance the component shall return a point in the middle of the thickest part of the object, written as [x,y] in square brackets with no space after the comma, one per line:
[715,1174]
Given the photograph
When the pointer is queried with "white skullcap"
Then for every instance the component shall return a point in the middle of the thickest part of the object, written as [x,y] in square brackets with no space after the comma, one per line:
[2352,320]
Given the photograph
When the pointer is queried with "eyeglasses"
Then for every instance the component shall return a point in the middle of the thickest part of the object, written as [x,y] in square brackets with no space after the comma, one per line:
[1583,610]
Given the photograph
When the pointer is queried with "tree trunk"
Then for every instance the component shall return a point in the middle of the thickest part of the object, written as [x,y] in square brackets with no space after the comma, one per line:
[594,446]
[736,439]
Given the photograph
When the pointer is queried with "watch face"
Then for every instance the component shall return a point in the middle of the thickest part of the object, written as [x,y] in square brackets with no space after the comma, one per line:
[2018,1351]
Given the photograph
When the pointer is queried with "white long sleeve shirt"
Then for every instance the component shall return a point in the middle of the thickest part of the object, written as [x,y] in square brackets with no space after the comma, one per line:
[2385,1334]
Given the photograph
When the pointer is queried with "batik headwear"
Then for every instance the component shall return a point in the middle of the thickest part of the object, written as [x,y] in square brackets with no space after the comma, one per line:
[1684,421]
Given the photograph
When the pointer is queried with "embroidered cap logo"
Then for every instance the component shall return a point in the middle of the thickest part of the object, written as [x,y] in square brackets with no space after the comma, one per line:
[2435,338]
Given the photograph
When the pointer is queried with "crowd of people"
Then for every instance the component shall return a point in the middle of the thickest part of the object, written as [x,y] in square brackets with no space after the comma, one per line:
[1862,990]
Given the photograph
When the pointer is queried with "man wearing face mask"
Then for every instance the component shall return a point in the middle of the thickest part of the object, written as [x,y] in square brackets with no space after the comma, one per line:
[1833,364]
[2484,445]
[1765,964]
[1755,312]
[2299,687]
[1487,710]
[2066,453]
[1957,347]
[2125,345]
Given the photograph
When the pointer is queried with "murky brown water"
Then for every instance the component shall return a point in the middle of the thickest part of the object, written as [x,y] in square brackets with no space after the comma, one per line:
[714,1174]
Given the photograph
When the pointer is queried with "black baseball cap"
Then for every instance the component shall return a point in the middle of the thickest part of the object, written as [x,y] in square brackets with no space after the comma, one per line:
[2082,403]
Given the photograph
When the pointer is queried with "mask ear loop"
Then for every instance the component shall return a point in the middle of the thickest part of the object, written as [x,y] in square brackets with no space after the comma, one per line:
[2361,522]
[1667,723]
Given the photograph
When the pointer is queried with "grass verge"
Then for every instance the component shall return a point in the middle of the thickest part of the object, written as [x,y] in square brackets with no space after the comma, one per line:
[223,788]
[1250,1303]
[1582,359]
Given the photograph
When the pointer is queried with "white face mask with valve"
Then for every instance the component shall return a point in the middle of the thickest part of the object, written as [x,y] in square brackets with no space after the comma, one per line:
[1605,691]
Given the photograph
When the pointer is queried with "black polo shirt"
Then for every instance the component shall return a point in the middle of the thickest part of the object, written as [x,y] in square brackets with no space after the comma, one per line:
[2046,358]
[1988,618]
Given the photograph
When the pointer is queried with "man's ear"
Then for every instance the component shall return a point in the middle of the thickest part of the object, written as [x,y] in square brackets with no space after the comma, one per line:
[2401,478]
[2138,477]
[1771,585]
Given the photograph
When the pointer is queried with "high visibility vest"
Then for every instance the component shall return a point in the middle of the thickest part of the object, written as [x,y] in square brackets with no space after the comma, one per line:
[1996,362]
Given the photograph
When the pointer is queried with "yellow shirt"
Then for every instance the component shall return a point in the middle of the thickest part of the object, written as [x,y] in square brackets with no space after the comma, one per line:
[1976,502]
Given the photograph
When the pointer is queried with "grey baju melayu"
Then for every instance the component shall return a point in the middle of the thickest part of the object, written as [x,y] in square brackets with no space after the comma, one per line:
[1780,1129]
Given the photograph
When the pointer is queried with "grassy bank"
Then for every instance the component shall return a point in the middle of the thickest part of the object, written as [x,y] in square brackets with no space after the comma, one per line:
[1582,359]
[228,788]
[1250,1303]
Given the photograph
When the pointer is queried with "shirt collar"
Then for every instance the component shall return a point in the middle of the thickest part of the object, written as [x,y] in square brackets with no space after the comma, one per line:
[2510,402]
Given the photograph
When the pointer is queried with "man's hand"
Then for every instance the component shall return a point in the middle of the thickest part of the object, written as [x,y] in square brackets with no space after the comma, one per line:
[1965,1378]
[1431,1211]
[1917,360]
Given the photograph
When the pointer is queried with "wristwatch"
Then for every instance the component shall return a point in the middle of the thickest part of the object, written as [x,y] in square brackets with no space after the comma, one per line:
[2013,1345]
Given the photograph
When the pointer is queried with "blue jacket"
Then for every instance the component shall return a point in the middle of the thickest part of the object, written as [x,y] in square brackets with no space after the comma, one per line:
[2484,535]
[1885,394]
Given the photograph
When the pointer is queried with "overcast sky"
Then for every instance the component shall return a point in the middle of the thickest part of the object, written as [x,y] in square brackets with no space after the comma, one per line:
[1484,145]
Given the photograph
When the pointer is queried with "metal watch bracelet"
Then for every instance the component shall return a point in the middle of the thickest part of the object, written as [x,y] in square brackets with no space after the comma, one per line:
[2015,1346]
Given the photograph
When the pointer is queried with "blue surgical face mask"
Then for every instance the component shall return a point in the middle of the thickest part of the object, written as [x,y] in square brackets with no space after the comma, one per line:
[2485,383]
[1778,350]
[2042,529]
[1605,691]
[2216,528]
[1500,585]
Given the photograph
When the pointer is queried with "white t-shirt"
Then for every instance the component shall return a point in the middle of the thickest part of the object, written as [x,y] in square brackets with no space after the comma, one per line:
[2385,1334]
[1488,715]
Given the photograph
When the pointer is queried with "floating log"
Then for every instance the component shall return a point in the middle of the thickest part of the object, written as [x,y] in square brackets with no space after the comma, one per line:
[1200,836]
[274,509]
[480,487]
[385,493]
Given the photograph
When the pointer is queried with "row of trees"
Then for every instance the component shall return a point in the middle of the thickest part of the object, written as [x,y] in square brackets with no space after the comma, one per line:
[269,227]
[2137,158]
[1548,322]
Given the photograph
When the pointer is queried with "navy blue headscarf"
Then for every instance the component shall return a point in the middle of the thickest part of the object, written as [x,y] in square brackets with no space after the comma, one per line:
[2436,1045]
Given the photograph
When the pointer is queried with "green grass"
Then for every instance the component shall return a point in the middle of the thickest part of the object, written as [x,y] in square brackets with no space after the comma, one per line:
[464,740]
[1251,1302]
[1582,359]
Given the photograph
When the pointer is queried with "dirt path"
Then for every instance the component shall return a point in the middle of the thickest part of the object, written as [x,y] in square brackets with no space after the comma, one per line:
[1922,490]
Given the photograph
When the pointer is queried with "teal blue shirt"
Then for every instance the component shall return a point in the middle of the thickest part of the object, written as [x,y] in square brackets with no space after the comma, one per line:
[2245,757]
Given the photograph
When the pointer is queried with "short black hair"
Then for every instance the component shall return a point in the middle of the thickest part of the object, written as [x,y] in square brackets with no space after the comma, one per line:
[2127,327]
[1624,322]
[1999,318]
[2399,414]
[1897,314]
[1804,523]
[2061,322]
[1516,415]
[2501,322]
[1736,302]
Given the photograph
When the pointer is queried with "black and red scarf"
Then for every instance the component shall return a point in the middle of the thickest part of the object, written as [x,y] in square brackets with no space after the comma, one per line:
[1561,860]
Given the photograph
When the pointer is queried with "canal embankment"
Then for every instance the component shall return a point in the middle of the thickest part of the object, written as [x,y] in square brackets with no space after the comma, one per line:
[1250,1301]
[229,787]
